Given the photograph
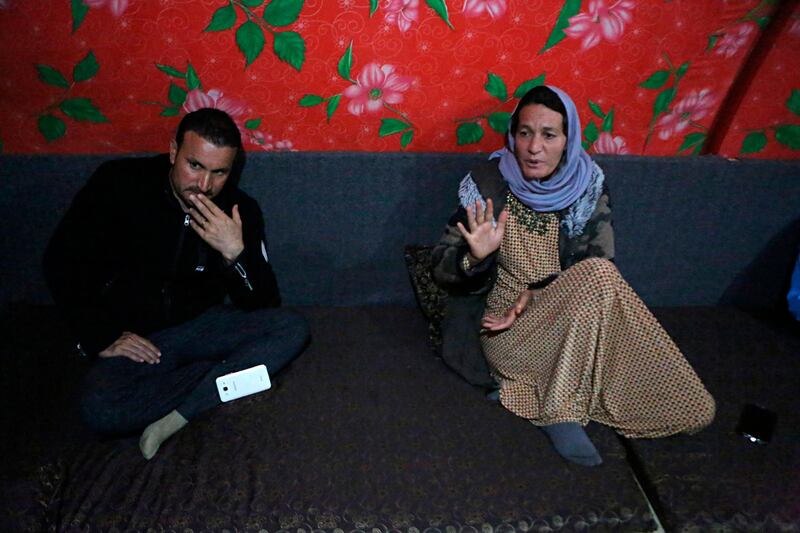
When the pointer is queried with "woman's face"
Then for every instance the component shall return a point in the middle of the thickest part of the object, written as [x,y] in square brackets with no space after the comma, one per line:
[539,142]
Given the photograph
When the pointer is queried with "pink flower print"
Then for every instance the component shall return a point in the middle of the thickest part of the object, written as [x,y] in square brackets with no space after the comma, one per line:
[692,107]
[734,40]
[476,8]
[402,12]
[259,139]
[197,99]
[375,86]
[117,7]
[608,144]
[268,143]
[600,22]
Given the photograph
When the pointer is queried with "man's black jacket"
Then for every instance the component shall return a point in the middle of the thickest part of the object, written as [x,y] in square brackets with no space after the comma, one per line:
[125,259]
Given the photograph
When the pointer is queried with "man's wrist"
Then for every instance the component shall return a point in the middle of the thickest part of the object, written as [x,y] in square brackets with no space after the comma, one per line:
[231,256]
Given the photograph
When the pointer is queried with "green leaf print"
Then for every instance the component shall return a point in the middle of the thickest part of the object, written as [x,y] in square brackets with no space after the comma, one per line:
[656,80]
[440,7]
[346,63]
[176,94]
[252,3]
[51,76]
[252,124]
[192,79]
[693,141]
[590,132]
[310,100]
[469,133]
[608,122]
[333,103]
[373,7]
[86,68]
[712,40]
[754,142]
[596,110]
[282,12]
[406,138]
[250,40]
[175,73]
[569,10]
[223,19]
[526,86]
[51,127]
[390,126]
[82,109]
[681,70]
[79,10]
[499,121]
[789,136]
[663,100]
[170,112]
[793,103]
[291,48]
[496,87]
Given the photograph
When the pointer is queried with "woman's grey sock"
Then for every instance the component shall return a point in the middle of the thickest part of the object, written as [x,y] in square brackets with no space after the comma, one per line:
[572,442]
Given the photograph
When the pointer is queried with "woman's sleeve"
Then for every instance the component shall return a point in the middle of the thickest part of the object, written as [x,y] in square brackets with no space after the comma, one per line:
[600,229]
[597,238]
[449,258]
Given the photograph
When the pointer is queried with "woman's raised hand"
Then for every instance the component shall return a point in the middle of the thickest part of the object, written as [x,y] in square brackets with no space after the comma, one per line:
[483,237]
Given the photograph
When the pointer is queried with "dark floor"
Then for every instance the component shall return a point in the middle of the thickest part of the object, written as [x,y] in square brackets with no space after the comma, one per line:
[366,430]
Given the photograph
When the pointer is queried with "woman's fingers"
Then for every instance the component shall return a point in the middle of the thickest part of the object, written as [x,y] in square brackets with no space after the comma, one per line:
[480,214]
[471,217]
[489,321]
[463,230]
[501,223]
[496,323]
[522,301]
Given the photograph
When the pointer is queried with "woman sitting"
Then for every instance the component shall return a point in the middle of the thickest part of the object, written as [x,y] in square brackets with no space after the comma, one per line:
[527,260]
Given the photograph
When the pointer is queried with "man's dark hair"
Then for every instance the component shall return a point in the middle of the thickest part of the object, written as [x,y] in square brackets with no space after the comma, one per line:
[213,125]
[540,95]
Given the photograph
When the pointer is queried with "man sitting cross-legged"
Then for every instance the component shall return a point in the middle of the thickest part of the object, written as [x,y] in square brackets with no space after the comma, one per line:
[140,266]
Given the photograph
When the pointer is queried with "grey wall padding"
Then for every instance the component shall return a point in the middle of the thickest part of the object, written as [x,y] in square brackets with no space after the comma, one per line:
[690,230]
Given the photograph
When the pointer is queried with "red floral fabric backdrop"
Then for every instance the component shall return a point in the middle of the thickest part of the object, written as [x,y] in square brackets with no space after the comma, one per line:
[648,76]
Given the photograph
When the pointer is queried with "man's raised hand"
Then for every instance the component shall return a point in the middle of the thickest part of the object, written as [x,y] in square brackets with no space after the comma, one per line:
[221,232]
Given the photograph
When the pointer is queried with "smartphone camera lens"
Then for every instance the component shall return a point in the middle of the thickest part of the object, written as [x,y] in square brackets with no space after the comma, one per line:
[225,388]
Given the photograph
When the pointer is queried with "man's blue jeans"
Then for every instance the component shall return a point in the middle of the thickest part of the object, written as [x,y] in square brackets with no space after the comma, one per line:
[122,396]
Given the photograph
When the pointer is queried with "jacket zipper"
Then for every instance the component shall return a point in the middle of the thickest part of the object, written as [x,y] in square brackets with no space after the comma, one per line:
[243,273]
[167,298]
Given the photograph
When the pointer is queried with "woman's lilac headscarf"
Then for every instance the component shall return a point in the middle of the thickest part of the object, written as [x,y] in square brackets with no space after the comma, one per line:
[569,181]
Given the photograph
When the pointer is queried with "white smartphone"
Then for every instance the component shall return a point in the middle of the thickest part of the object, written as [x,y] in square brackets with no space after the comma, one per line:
[242,383]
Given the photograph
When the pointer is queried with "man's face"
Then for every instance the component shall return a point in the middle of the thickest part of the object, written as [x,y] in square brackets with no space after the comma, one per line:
[198,167]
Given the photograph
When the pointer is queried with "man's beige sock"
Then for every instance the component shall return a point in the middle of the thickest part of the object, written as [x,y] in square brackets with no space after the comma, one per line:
[159,431]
